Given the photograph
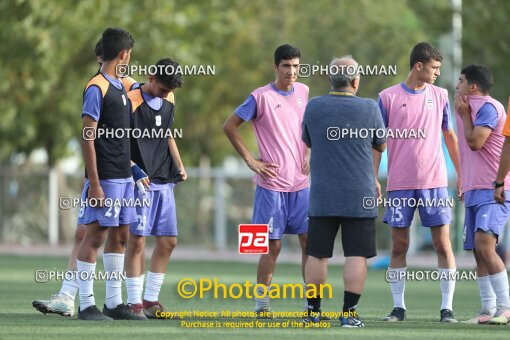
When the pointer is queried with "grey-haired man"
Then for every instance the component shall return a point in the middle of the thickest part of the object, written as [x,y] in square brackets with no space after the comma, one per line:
[342,131]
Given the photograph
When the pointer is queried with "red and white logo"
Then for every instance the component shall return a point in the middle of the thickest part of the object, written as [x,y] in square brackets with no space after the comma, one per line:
[253,239]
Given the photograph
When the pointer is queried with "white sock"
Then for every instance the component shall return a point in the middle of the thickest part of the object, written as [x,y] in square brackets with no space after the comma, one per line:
[114,265]
[142,281]
[154,283]
[487,295]
[134,293]
[447,284]
[70,287]
[262,302]
[398,287]
[86,283]
[499,283]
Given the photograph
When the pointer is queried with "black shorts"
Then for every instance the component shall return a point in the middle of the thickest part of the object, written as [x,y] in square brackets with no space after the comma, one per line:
[358,236]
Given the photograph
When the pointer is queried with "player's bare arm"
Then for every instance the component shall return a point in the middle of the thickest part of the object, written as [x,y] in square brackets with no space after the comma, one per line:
[231,129]
[89,157]
[174,151]
[504,167]
[377,162]
[475,135]
[306,162]
[452,145]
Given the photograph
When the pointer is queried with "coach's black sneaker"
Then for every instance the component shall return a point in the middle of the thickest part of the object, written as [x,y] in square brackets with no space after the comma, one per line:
[122,312]
[397,314]
[91,313]
[447,316]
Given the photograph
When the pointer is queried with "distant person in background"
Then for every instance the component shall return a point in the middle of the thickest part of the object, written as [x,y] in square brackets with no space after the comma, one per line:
[342,178]
[417,169]
[281,170]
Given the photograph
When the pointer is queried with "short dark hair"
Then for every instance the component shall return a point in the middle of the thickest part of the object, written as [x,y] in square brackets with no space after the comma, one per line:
[424,52]
[170,76]
[480,75]
[286,52]
[98,50]
[113,41]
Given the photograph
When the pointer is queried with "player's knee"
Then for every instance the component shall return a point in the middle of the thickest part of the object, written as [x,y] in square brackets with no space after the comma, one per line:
[123,239]
[274,248]
[172,243]
[117,238]
[167,245]
[400,247]
[443,248]
[79,235]
[136,244]
[477,256]
[96,240]
[483,250]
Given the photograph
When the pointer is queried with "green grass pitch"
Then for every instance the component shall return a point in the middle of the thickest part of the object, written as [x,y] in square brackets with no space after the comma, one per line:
[18,319]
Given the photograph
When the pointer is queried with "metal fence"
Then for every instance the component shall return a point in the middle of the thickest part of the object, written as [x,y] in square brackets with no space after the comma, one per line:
[210,205]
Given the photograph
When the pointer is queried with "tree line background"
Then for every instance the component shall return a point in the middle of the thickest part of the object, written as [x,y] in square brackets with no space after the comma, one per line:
[47,56]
